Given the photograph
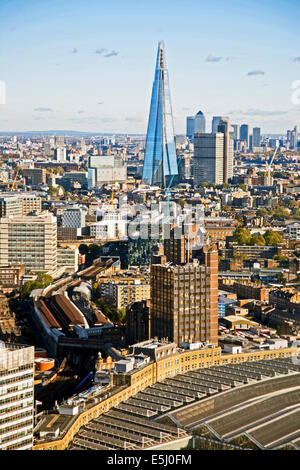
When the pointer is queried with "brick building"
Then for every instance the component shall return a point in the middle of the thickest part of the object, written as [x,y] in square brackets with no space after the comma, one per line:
[138,322]
[10,277]
[184,296]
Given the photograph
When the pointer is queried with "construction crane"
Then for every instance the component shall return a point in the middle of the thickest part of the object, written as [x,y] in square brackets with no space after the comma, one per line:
[15,179]
[269,167]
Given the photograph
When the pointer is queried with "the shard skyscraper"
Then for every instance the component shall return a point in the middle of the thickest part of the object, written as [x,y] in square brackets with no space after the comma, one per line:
[160,163]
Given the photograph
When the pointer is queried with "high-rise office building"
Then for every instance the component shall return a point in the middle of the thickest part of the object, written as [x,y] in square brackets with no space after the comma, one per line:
[209,158]
[256,137]
[292,137]
[244,134]
[295,137]
[195,124]
[60,154]
[200,123]
[160,163]
[73,217]
[138,322]
[59,141]
[106,169]
[184,296]
[215,123]
[236,131]
[30,240]
[16,396]
[35,176]
[19,204]
[225,128]
[190,126]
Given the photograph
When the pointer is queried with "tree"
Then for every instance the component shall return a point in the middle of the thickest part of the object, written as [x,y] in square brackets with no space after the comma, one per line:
[281,279]
[119,315]
[258,240]
[280,258]
[59,170]
[83,249]
[262,212]
[239,219]
[242,236]
[181,202]
[43,280]
[95,251]
[280,213]
[52,191]
[272,238]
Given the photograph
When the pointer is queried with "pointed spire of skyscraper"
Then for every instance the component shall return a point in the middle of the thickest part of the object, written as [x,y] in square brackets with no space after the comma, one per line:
[160,163]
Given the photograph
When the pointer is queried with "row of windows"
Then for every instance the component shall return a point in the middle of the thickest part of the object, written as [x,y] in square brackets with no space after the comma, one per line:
[18,425]
[20,444]
[5,391]
[15,436]
[15,371]
[16,379]
[11,409]
[16,398]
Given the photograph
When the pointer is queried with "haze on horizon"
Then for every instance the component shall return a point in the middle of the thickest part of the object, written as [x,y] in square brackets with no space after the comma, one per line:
[89,66]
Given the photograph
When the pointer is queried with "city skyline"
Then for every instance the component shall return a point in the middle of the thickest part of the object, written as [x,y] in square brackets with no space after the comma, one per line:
[70,77]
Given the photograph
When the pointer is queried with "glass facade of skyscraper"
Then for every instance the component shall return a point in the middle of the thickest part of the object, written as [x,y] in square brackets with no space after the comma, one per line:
[160,163]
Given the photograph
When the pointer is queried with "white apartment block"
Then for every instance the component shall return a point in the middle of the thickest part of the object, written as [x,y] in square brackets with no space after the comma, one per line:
[106,170]
[16,396]
[30,240]
[294,231]
[113,225]
[67,257]
[61,154]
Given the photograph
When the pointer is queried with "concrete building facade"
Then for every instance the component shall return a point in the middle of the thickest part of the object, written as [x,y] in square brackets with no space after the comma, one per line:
[209,158]
[30,240]
[16,396]
[184,298]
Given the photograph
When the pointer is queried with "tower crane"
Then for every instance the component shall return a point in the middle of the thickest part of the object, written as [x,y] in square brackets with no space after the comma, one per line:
[15,179]
[269,167]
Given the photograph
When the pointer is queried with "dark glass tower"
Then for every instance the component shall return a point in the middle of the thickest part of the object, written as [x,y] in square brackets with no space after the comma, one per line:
[160,163]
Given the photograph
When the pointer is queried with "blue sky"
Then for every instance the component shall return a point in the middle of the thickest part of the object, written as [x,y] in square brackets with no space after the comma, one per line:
[89,65]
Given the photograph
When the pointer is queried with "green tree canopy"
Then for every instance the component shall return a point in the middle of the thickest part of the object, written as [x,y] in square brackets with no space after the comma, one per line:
[181,202]
[262,212]
[95,250]
[258,240]
[273,238]
[83,249]
[43,280]
[280,213]
[52,191]
[242,236]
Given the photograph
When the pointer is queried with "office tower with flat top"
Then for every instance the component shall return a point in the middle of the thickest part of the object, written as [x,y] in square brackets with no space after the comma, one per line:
[224,127]
[190,126]
[184,295]
[29,240]
[209,158]
[160,163]
[244,134]
[16,396]
[200,123]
